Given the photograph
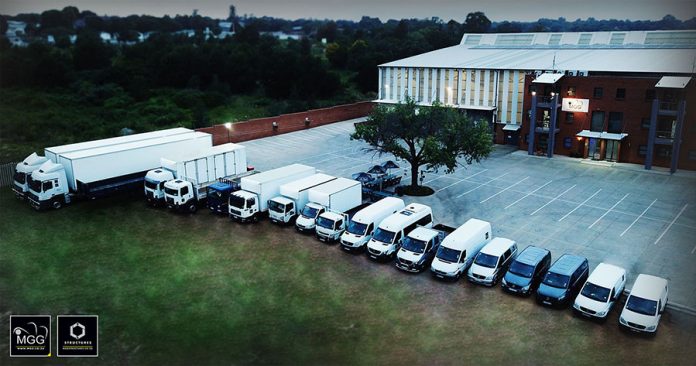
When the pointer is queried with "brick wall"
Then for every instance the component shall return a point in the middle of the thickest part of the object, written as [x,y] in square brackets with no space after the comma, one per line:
[263,127]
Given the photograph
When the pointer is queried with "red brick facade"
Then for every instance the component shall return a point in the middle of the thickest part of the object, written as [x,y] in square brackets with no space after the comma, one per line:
[635,105]
[263,127]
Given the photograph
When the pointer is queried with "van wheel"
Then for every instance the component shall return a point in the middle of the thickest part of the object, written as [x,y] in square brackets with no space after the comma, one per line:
[192,208]
[255,218]
[57,204]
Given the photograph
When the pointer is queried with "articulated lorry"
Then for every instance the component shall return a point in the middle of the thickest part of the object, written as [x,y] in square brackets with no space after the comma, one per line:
[293,197]
[339,195]
[196,173]
[34,161]
[101,171]
[251,201]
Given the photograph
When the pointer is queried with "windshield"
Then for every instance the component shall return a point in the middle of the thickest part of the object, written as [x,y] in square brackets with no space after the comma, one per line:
[171,191]
[151,185]
[521,269]
[34,185]
[556,280]
[236,201]
[20,177]
[356,228]
[448,254]
[594,292]
[384,236]
[276,207]
[325,223]
[641,305]
[310,212]
[486,260]
[413,245]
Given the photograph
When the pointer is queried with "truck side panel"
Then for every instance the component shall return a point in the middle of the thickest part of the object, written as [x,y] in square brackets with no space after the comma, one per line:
[346,199]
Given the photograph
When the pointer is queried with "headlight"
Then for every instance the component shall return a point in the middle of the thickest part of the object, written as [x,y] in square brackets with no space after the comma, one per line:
[602,313]
[562,296]
[652,327]
[504,282]
[622,320]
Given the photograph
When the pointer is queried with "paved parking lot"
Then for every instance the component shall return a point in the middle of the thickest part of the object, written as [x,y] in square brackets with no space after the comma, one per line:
[643,221]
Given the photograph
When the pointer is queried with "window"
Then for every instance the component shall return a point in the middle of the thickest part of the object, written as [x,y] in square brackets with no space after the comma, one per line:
[570,117]
[46,186]
[487,235]
[645,122]
[649,95]
[598,92]
[184,191]
[615,122]
[425,221]
[571,91]
[621,93]
[664,151]
[463,257]
[251,202]
[642,150]
[532,88]
[597,121]
[567,142]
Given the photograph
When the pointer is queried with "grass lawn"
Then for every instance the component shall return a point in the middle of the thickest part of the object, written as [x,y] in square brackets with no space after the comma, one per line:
[179,289]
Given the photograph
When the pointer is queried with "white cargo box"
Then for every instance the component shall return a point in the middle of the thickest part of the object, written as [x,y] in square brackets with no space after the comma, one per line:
[208,165]
[107,162]
[266,185]
[338,195]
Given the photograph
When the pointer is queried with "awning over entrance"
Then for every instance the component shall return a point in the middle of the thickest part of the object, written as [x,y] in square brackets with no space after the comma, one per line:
[511,127]
[602,135]
[674,82]
[548,78]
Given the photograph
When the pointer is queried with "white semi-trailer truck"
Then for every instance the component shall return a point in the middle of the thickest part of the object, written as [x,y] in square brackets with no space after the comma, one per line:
[293,197]
[251,201]
[34,161]
[339,195]
[188,189]
[100,171]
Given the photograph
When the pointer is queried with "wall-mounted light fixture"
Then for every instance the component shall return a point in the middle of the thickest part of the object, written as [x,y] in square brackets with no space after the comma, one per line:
[275,125]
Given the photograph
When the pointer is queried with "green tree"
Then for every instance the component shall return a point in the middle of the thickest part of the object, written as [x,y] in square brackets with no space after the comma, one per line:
[3,25]
[436,136]
[477,22]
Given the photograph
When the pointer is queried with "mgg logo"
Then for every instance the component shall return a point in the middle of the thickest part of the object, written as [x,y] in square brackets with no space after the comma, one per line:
[30,335]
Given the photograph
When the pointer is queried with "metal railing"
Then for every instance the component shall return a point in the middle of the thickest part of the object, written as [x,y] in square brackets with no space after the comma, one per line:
[7,174]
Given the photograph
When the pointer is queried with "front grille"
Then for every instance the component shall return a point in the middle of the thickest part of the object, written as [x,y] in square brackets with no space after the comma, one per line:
[33,197]
[375,252]
[405,262]
[170,200]
[235,212]
[637,326]
[512,286]
[479,277]
[586,310]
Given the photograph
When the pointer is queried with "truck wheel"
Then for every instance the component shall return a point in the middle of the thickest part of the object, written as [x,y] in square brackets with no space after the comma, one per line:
[255,218]
[57,204]
[192,208]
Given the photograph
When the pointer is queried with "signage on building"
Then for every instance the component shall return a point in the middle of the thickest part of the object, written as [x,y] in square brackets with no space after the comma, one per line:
[575,105]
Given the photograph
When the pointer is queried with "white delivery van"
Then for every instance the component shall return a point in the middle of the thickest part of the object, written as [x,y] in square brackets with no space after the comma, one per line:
[363,223]
[387,238]
[601,291]
[645,304]
[492,261]
[459,248]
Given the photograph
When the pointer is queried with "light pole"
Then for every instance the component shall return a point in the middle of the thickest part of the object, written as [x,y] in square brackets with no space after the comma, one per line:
[228,125]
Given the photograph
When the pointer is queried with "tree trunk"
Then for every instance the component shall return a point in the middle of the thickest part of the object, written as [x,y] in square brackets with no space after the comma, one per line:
[414,174]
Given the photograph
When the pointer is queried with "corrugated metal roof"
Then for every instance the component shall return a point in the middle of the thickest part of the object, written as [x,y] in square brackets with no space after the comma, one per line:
[640,52]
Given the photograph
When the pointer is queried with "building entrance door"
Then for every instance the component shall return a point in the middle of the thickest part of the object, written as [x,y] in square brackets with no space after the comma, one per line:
[594,152]
[612,153]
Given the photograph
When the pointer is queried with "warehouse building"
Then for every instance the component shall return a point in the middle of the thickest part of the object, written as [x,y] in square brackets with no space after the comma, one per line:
[614,96]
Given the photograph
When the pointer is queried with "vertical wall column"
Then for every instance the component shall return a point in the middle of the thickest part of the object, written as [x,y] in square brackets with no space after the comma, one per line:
[676,139]
[433,86]
[426,86]
[467,91]
[409,84]
[450,87]
[380,83]
[506,91]
[552,130]
[443,96]
[459,87]
[515,96]
[477,88]
[403,88]
[532,125]
[651,134]
[418,85]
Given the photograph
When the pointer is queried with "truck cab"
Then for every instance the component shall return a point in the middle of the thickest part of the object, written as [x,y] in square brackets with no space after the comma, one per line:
[48,187]
[219,195]
[23,171]
[330,225]
[244,206]
[154,185]
[281,209]
[418,249]
[307,220]
[181,195]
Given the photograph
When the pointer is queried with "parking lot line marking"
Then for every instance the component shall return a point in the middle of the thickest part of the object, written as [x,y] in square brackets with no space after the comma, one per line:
[609,210]
[461,180]
[693,250]
[520,181]
[528,194]
[553,199]
[579,205]
[482,184]
[438,177]
[671,223]
[637,218]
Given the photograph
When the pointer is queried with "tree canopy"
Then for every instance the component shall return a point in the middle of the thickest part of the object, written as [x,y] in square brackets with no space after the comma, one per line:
[435,136]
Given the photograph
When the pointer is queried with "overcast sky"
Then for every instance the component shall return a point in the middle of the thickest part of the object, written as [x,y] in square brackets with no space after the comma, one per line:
[496,10]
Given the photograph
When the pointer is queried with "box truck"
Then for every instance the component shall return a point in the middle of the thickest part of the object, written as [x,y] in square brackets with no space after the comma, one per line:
[250,202]
[34,161]
[293,197]
[195,173]
[344,202]
[338,195]
[100,171]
